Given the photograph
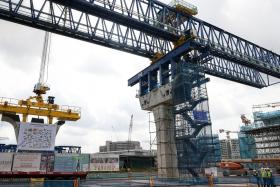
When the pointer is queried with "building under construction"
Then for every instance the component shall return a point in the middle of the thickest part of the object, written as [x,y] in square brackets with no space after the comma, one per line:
[265,130]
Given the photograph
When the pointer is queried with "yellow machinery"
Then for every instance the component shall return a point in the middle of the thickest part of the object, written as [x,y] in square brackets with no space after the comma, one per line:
[36,105]
[184,7]
[190,34]
[156,57]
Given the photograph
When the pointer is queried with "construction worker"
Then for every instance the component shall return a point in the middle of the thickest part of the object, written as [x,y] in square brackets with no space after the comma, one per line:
[269,178]
[264,176]
[258,177]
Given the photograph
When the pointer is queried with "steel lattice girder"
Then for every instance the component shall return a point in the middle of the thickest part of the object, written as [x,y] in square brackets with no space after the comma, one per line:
[213,66]
[52,17]
[141,27]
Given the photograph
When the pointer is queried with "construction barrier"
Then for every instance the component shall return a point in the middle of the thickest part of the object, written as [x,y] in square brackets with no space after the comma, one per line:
[39,182]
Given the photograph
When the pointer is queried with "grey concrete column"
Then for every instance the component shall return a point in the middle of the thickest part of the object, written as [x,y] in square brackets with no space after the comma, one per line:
[166,147]
[159,101]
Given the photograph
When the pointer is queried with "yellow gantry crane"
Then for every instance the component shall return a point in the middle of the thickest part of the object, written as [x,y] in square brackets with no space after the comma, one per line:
[36,105]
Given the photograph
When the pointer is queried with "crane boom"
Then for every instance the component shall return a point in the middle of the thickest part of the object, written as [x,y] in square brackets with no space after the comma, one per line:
[41,87]
[130,132]
[45,56]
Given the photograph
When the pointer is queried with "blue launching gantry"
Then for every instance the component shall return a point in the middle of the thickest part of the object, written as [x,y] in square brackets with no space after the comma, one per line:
[183,50]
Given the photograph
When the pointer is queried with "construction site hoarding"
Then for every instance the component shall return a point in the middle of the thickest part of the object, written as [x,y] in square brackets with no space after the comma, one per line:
[27,162]
[47,162]
[104,162]
[71,162]
[6,160]
[36,137]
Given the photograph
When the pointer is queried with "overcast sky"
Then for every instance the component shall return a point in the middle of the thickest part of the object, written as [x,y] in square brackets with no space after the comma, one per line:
[95,78]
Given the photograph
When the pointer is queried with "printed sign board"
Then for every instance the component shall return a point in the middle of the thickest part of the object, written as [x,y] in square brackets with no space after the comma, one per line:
[104,162]
[47,162]
[6,160]
[27,162]
[71,162]
[40,137]
[211,171]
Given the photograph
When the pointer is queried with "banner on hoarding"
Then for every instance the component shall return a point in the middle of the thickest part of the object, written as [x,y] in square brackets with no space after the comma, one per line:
[27,162]
[47,162]
[40,137]
[6,160]
[104,162]
[71,162]
[211,171]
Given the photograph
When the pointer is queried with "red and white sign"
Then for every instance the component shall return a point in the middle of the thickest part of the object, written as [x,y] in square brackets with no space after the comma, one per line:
[27,162]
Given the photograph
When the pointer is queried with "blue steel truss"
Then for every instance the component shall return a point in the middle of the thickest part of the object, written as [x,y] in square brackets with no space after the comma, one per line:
[215,66]
[141,27]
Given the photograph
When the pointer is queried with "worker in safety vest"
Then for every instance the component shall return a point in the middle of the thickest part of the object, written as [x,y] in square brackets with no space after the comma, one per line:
[258,177]
[264,176]
[269,178]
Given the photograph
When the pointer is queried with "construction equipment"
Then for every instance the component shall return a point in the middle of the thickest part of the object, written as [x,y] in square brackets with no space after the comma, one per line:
[128,164]
[36,105]
[184,7]
[129,132]
[245,120]
[233,168]
[41,88]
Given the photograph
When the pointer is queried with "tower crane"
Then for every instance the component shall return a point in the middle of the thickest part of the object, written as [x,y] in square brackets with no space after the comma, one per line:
[129,132]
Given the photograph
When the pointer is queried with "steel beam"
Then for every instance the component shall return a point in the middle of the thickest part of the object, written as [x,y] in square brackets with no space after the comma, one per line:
[140,27]
[212,65]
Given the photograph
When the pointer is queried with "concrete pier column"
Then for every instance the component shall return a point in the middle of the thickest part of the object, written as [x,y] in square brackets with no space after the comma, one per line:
[166,147]
[159,101]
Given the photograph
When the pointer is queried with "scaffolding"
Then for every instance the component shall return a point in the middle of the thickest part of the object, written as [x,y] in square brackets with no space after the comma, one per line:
[247,145]
[265,130]
[194,140]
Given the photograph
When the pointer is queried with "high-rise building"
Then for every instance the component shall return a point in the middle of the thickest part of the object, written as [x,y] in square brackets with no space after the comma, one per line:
[230,149]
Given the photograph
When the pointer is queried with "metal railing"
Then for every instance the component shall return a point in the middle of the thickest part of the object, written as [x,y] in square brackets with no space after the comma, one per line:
[63,108]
